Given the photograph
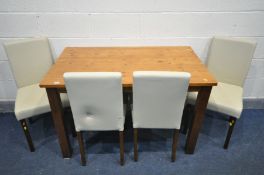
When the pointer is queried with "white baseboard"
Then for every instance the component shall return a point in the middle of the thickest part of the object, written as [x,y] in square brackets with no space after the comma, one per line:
[249,103]
[7,106]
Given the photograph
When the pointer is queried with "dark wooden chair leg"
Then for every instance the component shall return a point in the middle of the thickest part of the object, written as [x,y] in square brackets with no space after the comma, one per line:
[82,150]
[74,134]
[121,142]
[232,122]
[174,144]
[73,130]
[187,112]
[135,144]
[27,134]
[70,121]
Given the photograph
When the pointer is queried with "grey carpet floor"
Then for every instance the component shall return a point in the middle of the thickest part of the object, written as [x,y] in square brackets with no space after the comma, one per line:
[244,156]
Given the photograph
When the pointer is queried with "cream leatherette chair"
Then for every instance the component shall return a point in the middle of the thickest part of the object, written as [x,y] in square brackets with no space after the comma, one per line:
[229,61]
[158,102]
[30,60]
[96,101]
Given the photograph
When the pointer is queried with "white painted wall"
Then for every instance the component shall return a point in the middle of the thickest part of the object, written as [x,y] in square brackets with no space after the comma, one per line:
[133,22]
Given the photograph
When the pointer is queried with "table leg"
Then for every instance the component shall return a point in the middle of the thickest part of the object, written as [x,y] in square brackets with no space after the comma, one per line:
[58,120]
[199,112]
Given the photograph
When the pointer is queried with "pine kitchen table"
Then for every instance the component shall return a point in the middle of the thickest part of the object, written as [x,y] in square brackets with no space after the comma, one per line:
[127,60]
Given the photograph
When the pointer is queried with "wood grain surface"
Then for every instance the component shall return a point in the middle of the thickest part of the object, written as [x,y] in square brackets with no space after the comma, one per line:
[127,60]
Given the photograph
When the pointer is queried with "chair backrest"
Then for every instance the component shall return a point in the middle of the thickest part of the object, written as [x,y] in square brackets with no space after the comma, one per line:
[158,98]
[30,59]
[230,59]
[96,100]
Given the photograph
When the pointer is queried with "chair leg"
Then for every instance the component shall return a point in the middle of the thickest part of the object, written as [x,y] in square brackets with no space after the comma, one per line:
[232,122]
[73,130]
[186,119]
[174,144]
[70,121]
[27,134]
[135,144]
[121,142]
[82,150]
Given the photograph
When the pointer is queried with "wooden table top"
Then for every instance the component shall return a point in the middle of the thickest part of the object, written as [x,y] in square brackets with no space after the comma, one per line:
[127,60]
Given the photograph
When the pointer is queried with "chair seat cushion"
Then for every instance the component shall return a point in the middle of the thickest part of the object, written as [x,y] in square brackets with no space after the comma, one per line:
[33,100]
[225,98]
